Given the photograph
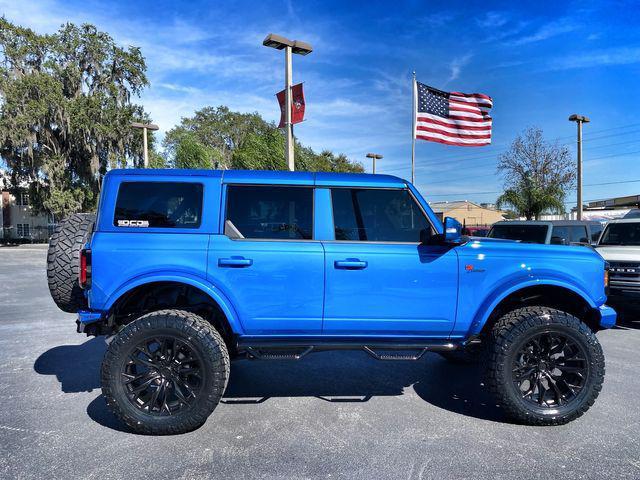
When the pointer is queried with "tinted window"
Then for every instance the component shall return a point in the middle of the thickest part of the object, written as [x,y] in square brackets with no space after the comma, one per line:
[377,215]
[269,212]
[596,230]
[567,234]
[560,235]
[579,234]
[621,234]
[524,233]
[159,204]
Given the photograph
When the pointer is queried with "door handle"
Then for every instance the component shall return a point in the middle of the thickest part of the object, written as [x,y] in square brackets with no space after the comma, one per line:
[237,262]
[350,264]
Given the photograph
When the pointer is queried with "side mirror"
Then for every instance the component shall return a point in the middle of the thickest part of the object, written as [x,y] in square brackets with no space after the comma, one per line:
[452,230]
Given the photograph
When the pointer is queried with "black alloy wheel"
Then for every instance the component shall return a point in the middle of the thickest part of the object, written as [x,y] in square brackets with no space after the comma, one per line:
[550,370]
[163,375]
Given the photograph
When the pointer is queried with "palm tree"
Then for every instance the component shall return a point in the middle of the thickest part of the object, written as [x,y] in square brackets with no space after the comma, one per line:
[537,175]
[530,200]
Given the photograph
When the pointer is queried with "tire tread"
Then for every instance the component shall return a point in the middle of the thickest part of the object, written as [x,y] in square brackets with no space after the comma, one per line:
[63,261]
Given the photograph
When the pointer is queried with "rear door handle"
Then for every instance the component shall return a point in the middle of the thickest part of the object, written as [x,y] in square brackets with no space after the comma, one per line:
[350,264]
[237,262]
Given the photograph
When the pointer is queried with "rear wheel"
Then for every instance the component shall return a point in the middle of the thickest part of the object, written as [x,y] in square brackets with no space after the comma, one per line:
[546,367]
[165,372]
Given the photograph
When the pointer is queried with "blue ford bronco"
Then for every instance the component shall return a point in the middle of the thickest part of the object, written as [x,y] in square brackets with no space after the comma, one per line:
[185,270]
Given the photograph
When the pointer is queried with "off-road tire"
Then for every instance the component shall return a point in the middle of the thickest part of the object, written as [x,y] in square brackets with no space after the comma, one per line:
[63,261]
[215,372]
[511,333]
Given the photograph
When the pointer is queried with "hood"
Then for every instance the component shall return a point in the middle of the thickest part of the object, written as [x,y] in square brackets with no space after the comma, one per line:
[619,253]
[491,240]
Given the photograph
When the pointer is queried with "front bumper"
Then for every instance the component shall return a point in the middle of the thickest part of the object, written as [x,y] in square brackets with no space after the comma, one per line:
[607,316]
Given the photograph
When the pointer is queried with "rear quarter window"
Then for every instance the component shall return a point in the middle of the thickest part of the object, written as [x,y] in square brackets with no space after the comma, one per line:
[158,205]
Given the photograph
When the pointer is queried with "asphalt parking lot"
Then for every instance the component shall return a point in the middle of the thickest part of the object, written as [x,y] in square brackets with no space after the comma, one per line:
[331,415]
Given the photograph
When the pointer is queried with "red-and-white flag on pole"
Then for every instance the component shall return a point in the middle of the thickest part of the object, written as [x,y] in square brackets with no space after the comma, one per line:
[297,105]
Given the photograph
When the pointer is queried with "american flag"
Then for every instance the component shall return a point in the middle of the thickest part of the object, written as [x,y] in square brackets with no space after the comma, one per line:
[453,118]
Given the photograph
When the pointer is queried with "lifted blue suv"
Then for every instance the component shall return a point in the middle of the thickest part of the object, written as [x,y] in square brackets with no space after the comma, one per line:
[184,270]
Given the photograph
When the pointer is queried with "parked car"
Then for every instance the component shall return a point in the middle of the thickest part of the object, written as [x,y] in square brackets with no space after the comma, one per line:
[634,213]
[620,246]
[185,270]
[553,232]
[476,230]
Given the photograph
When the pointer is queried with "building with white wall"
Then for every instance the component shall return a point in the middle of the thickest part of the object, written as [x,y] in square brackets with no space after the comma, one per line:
[20,221]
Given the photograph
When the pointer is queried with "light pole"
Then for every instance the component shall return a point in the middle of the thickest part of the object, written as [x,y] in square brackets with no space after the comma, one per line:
[289,46]
[374,157]
[145,148]
[579,119]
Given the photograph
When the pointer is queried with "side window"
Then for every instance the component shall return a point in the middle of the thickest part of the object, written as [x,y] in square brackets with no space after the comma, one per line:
[579,234]
[159,205]
[377,215]
[596,230]
[268,212]
[560,235]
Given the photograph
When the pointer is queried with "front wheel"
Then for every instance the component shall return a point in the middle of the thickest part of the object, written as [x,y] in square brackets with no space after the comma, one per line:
[546,367]
[165,372]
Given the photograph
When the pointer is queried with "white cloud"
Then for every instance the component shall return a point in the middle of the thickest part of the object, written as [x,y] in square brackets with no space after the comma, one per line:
[456,66]
[437,19]
[549,30]
[493,20]
[598,58]
[178,88]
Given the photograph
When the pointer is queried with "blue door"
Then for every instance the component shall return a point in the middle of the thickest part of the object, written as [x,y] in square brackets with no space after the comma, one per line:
[379,279]
[267,262]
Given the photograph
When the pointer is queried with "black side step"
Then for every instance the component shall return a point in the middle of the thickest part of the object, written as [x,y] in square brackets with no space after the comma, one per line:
[395,356]
[277,354]
[296,348]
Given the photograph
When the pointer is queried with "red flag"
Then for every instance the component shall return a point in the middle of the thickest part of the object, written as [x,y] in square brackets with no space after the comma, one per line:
[297,105]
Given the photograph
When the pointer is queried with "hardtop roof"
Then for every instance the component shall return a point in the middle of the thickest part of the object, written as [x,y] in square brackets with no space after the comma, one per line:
[275,177]
[559,223]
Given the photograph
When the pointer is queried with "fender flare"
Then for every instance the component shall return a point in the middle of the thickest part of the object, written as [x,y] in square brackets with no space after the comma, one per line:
[493,300]
[188,279]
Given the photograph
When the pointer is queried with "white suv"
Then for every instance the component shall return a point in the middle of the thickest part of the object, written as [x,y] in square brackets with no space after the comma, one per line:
[619,244]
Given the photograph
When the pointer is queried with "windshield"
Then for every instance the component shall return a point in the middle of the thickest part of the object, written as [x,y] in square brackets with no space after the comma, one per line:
[621,234]
[524,233]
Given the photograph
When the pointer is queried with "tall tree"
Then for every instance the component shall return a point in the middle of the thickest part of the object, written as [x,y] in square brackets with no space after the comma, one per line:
[66,111]
[247,141]
[537,174]
[190,153]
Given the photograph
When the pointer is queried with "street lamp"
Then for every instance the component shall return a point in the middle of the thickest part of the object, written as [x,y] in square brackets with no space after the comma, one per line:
[145,127]
[289,46]
[374,157]
[579,119]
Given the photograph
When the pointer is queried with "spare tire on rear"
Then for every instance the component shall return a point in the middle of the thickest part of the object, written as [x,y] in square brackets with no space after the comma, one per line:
[63,261]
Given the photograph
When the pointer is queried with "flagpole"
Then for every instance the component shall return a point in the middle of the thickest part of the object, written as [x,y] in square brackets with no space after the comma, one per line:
[413,129]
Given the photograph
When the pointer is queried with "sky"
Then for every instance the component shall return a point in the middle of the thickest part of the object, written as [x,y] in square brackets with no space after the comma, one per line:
[539,61]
